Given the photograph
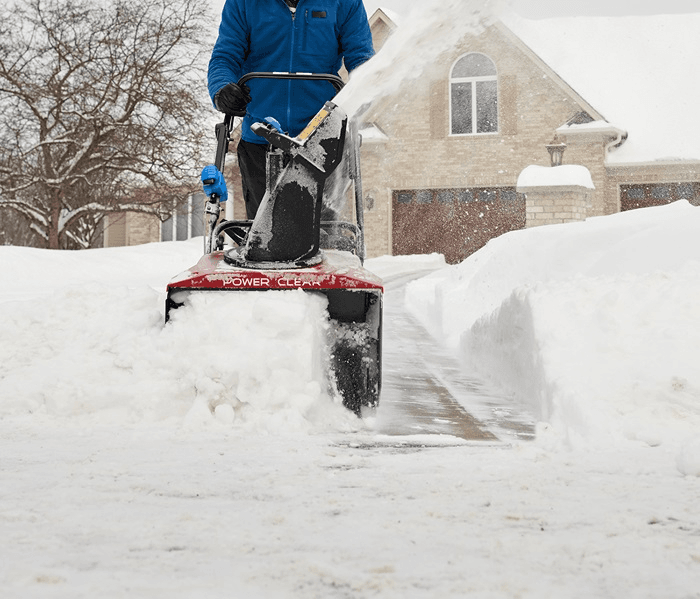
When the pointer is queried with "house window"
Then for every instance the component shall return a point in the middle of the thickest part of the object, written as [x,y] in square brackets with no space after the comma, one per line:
[187,220]
[473,95]
[424,196]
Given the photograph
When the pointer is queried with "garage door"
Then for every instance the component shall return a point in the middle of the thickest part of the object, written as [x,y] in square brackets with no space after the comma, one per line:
[453,222]
[658,194]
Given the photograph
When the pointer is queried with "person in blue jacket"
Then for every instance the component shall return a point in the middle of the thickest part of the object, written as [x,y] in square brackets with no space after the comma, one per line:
[304,36]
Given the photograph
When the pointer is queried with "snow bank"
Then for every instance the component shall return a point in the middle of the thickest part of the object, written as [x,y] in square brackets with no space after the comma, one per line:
[600,359]
[29,272]
[594,324]
[688,460]
[99,351]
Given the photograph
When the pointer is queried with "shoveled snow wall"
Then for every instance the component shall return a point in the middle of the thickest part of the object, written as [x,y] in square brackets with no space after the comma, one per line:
[594,325]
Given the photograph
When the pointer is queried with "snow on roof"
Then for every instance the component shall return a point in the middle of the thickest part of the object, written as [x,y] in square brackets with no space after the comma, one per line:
[393,15]
[639,72]
[371,6]
[590,127]
[564,175]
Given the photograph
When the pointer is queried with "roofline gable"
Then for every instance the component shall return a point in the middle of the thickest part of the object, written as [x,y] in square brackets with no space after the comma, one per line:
[380,15]
[551,73]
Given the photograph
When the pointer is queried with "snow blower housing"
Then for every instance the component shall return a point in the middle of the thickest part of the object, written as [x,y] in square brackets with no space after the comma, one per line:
[287,246]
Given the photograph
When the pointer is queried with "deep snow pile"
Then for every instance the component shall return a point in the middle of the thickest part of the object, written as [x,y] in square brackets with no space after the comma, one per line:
[88,341]
[594,324]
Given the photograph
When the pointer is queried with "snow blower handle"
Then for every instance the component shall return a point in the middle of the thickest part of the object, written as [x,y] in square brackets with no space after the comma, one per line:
[223,137]
[334,80]
[213,181]
[212,175]
[215,189]
[214,184]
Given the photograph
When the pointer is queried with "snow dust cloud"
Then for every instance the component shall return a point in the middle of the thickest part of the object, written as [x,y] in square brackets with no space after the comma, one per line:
[426,32]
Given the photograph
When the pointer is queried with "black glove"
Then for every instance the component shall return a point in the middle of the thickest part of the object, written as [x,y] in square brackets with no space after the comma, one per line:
[232,99]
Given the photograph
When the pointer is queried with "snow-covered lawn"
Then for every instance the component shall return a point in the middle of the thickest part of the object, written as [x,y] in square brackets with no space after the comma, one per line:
[138,460]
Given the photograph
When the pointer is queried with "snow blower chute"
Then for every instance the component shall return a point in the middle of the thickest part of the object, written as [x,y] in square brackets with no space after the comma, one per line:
[288,245]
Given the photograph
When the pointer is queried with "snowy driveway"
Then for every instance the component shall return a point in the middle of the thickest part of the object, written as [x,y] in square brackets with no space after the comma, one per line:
[152,513]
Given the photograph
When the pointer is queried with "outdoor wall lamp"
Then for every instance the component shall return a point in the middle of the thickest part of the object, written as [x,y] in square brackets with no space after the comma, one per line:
[556,152]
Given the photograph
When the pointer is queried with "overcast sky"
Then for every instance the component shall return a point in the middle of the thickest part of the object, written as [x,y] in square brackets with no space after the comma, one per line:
[544,8]
[550,8]
[553,8]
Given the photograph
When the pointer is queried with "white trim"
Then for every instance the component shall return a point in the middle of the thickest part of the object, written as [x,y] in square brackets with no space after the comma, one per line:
[681,162]
[590,131]
[372,134]
[387,16]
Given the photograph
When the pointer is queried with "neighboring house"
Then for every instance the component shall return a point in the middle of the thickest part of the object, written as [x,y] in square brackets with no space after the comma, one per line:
[130,228]
[134,228]
[442,156]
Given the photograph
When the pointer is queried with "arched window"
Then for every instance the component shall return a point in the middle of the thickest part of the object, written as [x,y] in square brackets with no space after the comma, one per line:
[473,95]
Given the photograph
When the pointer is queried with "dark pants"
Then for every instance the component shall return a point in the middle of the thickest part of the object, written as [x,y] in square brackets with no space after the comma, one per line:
[252,164]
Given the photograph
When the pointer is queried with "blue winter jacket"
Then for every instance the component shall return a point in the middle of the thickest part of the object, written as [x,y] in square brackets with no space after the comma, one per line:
[264,35]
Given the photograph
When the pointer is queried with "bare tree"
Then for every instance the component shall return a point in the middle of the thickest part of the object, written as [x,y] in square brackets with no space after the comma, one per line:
[100,110]
[15,229]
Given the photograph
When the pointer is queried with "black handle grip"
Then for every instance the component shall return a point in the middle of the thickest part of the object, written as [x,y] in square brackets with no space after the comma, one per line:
[336,81]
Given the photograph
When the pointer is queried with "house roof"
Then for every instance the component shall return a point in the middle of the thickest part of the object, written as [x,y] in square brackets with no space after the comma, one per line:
[638,72]
[372,6]
[393,15]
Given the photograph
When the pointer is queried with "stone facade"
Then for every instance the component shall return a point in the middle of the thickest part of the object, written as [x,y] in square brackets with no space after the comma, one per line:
[555,205]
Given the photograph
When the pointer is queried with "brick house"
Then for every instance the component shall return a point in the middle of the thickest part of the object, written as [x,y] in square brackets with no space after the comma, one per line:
[443,156]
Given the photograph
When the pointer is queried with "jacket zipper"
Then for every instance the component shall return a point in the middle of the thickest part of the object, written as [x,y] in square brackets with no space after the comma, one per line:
[291,63]
[305,25]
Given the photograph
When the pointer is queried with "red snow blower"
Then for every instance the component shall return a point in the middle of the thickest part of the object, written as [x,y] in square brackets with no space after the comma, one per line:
[288,246]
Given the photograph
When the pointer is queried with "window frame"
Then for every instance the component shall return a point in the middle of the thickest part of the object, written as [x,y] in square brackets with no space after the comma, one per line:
[473,81]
